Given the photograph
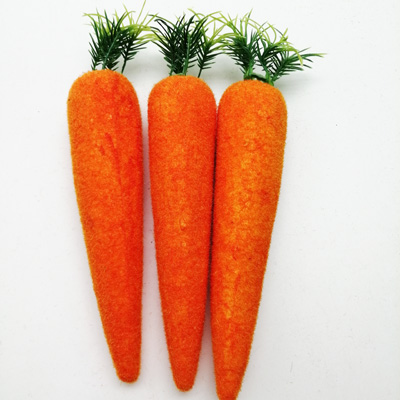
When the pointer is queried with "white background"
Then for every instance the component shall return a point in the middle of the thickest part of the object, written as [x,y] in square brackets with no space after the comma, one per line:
[329,321]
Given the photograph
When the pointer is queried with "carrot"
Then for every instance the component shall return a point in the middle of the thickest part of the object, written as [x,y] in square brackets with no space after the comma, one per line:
[251,134]
[182,125]
[106,148]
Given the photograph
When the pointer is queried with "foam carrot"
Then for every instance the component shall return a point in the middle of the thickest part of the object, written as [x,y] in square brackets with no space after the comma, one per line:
[251,134]
[182,125]
[106,148]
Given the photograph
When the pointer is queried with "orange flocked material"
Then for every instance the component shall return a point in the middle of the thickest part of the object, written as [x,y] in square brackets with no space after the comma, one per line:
[106,147]
[182,125]
[250,147]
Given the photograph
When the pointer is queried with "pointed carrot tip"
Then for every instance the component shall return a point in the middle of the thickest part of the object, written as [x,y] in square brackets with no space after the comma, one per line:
[128,373]
[228,392]
[184,381]
[184,364]
[184,387]
[229,383]
[128,376]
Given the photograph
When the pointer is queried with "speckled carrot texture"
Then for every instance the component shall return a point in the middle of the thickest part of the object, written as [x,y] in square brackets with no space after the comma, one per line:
[106,147]
[182,125]
[250,147]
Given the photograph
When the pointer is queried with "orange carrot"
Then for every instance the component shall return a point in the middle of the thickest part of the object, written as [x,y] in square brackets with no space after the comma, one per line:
[181,115]
[182,125]
[250,145]
[249,160]
[106,148]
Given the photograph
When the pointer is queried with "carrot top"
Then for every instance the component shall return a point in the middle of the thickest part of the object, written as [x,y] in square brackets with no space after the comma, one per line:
[252,45]
[114,39]
[186,42]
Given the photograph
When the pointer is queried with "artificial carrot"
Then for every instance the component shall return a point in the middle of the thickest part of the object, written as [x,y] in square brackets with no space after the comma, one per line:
[106,148]
[182,125]
[251,134]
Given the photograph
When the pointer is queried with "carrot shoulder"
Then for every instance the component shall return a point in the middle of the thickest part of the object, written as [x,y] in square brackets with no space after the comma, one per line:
[106,147]
[182,123]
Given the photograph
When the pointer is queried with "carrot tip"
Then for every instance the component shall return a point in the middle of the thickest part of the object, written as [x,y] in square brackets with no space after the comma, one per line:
[228,392]
[184,385]
[184,377]
[128,376]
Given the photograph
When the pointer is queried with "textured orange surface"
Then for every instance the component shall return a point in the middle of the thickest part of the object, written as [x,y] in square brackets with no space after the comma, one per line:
[250,147]
[106,147]
[182,124]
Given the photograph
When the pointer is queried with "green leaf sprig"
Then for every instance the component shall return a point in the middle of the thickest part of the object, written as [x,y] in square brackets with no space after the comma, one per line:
[210,44]
[186,42]
[114,39]
[179,42]
[252,45]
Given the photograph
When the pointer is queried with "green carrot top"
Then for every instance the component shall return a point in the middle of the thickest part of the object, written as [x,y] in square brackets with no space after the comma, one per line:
[187,42]
[252,45]
[197,40]
[116,38]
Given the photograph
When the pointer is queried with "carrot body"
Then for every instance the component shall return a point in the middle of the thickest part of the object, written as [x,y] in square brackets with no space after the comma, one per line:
[249,159]
[106,147]
[182,124]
